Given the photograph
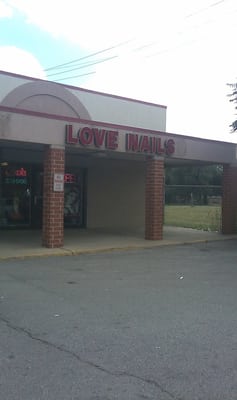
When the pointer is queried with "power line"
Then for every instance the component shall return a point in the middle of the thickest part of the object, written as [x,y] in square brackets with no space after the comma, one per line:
[75,76]
[77,64]
[172,48]
[86,65]
[89,55]
[205,8]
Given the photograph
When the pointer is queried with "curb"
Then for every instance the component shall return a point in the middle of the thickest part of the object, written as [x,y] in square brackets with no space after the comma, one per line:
[76,252]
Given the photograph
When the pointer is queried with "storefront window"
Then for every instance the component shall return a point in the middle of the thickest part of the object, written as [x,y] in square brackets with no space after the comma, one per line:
[72,199]
[14,196]
[21,195]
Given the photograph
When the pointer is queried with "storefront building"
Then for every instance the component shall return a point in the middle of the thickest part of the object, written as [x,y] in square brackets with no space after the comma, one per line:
[71,157]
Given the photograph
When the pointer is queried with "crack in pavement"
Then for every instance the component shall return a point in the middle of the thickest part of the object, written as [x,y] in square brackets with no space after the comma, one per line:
[89,363]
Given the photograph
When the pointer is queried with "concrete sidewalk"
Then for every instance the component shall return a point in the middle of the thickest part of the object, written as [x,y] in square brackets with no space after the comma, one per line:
[21,244]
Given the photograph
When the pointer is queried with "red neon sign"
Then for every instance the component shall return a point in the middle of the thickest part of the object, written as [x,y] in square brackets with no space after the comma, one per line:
[11,172]
[69,178]
[21,172]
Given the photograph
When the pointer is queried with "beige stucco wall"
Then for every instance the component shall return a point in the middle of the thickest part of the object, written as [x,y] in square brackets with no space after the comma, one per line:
[122,111]
[50,97]
[116,191]
[7,85]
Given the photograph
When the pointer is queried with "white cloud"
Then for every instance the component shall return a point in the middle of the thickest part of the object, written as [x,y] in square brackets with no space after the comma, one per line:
[95,24]
[13,59]
[5,10]
[89,23]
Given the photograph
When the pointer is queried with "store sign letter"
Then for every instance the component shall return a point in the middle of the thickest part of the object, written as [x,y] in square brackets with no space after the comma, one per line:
[149,144]
[109,140]
[87,136]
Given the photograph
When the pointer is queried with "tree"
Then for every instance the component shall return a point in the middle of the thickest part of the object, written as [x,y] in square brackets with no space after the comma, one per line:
[233,98]
[192,183]
[194,175]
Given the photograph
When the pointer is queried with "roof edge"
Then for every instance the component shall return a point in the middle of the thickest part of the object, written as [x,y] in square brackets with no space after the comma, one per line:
[84,90]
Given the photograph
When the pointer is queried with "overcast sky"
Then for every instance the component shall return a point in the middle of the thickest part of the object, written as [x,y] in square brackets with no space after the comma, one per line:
[178,53]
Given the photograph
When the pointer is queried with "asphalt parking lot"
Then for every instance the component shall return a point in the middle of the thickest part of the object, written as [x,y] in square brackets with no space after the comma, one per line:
[157,323]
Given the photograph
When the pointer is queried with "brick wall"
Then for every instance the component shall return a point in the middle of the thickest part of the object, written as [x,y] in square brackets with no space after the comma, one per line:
[154,199]
[229,200]
[53,202]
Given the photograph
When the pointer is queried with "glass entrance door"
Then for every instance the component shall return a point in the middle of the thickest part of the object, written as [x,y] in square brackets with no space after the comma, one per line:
[15,197]
[73,199]
[36,197]
[21,197]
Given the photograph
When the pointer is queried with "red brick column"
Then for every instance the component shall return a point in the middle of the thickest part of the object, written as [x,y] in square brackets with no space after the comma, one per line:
[154,199]
[229,200]
[53,201]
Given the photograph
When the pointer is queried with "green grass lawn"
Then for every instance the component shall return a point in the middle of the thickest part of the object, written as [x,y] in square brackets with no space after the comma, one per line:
[196,217]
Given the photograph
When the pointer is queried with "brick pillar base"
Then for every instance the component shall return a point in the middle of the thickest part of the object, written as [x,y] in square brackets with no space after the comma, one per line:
[53,202]
[229,200]
[154,199]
